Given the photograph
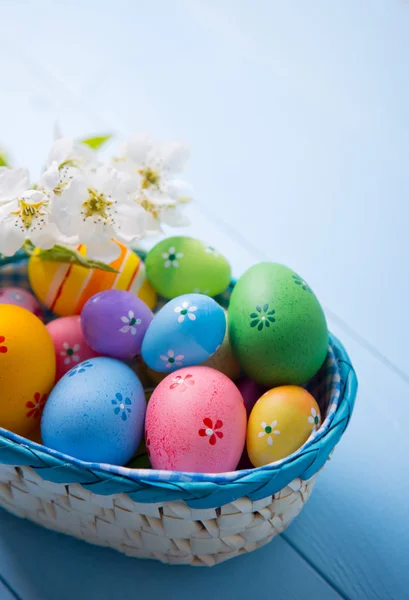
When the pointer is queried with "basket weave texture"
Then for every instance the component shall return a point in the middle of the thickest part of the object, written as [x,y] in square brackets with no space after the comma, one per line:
[177,518]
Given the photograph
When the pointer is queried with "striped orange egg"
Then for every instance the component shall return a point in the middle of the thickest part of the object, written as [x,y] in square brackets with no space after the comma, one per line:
[65,288]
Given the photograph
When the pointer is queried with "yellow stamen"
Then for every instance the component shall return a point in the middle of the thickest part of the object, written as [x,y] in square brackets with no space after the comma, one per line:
[30,212]
[96,205]
[150,177]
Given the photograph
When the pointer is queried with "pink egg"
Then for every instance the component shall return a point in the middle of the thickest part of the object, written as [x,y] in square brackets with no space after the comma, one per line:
[69,343]
[23,298]
[196,421]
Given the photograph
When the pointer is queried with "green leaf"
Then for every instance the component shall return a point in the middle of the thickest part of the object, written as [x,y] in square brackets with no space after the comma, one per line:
[97,141]
[67,254]
[4,161]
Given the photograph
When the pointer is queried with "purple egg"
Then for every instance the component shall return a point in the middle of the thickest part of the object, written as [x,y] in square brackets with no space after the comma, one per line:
[114,323]
[23,298]
[251,392]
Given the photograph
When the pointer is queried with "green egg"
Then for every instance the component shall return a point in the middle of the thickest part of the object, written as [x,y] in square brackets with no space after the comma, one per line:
[182,265]
[277,327]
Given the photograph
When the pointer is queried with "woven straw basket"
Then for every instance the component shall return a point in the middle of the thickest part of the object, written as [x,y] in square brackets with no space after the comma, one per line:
[177,518]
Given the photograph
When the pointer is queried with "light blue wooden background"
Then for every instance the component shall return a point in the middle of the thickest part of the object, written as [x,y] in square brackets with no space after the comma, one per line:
[298,116]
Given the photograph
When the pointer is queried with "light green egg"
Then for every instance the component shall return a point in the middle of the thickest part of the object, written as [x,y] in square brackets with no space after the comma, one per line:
[277,327]
[182,265]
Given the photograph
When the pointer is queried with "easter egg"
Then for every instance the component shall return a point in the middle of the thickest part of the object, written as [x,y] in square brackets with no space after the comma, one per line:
[185,332]
[23,298]
[65,288]
[69,343]
[195,421]
[114,323]
[281,421]
[182,265]
[27,368]
[96,412]
[277,327]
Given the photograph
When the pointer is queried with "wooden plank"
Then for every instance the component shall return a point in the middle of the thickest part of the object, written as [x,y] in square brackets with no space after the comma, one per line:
[355,529]
[48,565]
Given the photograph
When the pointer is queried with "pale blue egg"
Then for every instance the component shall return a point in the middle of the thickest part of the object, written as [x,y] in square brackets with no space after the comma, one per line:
[96,412]
[185,332]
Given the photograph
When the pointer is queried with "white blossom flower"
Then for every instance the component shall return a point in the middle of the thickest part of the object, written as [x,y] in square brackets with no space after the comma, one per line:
[186,311]
[67,152]
[269,430]
[13,183]
[96,206]
[130,322]
[154,166]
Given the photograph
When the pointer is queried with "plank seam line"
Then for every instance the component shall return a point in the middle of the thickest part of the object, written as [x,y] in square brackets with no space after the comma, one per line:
[9,588]
[317,570]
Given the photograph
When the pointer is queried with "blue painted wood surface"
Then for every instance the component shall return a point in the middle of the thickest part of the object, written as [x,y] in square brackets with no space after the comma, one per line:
[297,114]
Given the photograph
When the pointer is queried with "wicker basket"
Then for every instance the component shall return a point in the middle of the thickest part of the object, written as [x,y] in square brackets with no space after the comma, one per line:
[177,518]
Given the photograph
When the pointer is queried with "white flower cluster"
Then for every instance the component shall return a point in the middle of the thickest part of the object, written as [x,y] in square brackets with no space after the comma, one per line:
[81,200]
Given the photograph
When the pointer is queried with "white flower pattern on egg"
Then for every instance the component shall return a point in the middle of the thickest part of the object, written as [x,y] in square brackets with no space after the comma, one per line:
[70,354]
[172,258]
[172,360]
[186,311]
[269,430]
[131,322]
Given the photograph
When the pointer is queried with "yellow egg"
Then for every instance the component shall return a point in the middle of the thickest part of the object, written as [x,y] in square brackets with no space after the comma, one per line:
[281,421]
[27,368]
[65,288]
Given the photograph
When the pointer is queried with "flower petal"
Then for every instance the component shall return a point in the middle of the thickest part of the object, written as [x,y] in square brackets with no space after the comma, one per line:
[180,357]
[261,434]
[212,440]
[191,316]
[181,318]
[167,264]
[124,319]
[208,422]
[171,353]
[193,309]
[178,309]
[270,440]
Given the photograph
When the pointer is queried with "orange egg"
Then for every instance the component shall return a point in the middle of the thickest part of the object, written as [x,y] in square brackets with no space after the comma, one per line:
[281,421]
[65,288]
[27,368]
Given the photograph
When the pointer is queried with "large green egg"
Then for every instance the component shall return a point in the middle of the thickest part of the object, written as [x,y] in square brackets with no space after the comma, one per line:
[182,265]
[277,327]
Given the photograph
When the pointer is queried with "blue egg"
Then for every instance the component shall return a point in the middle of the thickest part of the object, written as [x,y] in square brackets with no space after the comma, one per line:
[96,412]
[185,332]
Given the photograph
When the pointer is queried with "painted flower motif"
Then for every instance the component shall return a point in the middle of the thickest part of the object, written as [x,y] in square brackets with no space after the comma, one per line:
[211,250]
[172,258]
[130,321]
[3,349]
[36,406]
[70,354]
[182,383]
[269,430]
[172,360]
[17,297]
[80,368]
[211,431]
[121,406]
[186,311]
[263,317]
[302,283]
[314,418]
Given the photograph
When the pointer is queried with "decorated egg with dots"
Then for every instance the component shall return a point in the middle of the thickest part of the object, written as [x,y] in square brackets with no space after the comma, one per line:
[27,368]
[65,288]
[69,343]
[23,298]
[185,332]
[277,327]
[96,412]
[281,421]
[196,421]
[181,265]
[114,323]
